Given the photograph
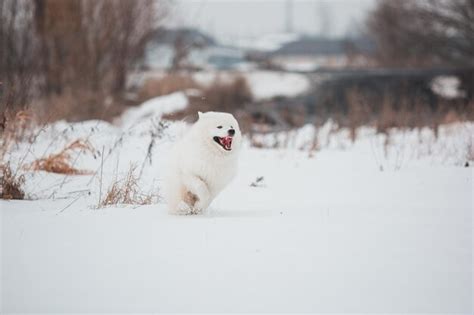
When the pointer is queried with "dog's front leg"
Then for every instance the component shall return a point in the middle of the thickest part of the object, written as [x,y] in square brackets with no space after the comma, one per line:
[197,195]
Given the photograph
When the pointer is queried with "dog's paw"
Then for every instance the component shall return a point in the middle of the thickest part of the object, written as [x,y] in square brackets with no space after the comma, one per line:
[183,208]
[195,211]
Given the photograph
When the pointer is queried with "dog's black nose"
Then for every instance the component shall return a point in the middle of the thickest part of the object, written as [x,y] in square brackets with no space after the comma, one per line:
[231,132]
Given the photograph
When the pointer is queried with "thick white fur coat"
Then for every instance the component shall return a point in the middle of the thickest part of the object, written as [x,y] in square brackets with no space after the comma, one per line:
[199,168]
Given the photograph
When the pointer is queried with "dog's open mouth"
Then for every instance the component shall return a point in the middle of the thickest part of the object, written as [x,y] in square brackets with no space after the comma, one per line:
[224,142]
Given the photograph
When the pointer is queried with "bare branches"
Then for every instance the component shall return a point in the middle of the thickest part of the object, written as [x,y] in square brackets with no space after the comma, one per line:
[81,48]
[424,33]
[17,53]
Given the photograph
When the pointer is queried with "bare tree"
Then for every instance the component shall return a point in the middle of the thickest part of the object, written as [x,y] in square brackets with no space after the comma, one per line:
[18,48]
[81,47]
[93,40]
[423,33]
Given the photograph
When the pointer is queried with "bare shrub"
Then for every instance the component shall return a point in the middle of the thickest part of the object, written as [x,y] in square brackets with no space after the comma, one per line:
[91,44]
[357,112]
[398,111]
[170,83]
[293,117]
[227,97]
[11,183]
[220,96]
[423,33]
[387,117]
[61,162]
[83,49]
[315,143]
[126,191]
[15,127]
[18,53]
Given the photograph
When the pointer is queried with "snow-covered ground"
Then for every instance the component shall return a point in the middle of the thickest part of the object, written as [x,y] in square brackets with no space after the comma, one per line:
[375,225]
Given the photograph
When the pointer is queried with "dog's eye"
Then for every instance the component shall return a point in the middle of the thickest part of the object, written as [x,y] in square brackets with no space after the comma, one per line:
[219,127]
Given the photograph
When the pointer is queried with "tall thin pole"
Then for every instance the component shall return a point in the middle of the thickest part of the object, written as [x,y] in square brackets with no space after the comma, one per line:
[289,16]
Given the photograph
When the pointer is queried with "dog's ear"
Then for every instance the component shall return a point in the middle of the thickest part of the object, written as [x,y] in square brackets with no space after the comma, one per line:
[199,115]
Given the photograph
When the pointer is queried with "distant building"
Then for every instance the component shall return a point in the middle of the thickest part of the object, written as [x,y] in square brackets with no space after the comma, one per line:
[312,53]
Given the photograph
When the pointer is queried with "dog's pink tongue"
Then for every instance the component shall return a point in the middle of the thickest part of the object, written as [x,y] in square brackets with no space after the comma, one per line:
[227,142]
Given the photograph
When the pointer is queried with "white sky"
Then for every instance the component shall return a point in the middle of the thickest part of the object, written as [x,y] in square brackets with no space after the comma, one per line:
[228,19]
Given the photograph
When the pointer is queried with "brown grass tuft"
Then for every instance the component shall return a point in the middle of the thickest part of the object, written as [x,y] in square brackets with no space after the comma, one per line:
[11,183]
[126,191]
[61,162]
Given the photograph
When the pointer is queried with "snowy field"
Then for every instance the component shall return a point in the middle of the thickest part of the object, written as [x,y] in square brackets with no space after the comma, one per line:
[382,224]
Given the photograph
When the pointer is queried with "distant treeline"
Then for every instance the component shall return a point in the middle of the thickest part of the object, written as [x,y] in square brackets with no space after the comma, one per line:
[76,50]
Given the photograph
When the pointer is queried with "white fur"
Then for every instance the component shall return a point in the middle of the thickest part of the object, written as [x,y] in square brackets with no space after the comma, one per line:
[199,165]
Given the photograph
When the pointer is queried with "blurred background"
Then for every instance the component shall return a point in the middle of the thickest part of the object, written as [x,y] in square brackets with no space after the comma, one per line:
[276,64]
[355,185]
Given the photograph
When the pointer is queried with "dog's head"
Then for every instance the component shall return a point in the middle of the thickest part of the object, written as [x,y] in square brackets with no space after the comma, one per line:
[221,130]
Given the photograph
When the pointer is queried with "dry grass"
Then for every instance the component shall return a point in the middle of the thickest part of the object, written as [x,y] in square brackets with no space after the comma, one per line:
[227,97]
[126,191]
[220,96]
[15,127]
[398,112]
[172,82]
[61,162]
[11,183]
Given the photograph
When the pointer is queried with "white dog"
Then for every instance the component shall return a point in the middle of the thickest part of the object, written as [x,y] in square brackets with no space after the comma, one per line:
[202,163]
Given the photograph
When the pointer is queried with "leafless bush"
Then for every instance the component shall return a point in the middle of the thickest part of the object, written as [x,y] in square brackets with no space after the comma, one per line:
[81,48]
[11,183]
[126,191]
[156,133]
[220,96]
[423,33]
[315,143]
[170,83]
[387,116]
[358,113]
[15,127]
[18,53]
[398,112]
[227,97]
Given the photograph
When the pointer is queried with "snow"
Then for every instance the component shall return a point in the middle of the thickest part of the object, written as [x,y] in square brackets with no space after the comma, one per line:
[263,84]
[156,107]
[447,86]
[159,56]
[327,231]
[303,65]
[268,84]
[310,63]
[266,43]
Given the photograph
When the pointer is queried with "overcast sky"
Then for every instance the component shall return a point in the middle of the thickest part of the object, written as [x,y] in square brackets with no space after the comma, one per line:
[227,19]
